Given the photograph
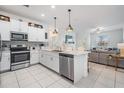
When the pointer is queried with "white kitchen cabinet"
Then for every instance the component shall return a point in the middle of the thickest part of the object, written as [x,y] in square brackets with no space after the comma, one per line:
[41,34]
[18,26]
[5,61]
[50,60]
[54,62]
[14,25]
[43,59]
[36,34]
[5,30]
[31,34]
[34,57]
[24,26]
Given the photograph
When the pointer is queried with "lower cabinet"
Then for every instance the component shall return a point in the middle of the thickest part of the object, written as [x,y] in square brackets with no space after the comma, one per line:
[34,58]
[50,60]
[54,62]
[5,62]
[103,58]
[94,57]
[44,59]
[5,30]
[36,34]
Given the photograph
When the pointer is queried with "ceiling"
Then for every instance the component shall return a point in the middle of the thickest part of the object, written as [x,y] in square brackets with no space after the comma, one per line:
[82,16]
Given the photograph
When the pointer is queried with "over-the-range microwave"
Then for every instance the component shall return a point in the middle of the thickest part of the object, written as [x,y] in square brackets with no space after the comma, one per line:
[19,36]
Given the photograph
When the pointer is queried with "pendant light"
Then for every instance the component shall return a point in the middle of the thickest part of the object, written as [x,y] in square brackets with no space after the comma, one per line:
[55,30]
[69,29]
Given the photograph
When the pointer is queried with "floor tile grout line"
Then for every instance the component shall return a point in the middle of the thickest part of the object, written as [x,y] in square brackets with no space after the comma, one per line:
[106,68]
[114,77]
[98,76]
[29,73]
[17,79]
[48,85]
[63,85]
[35,79]
[56,80]
[53,83]
[59,83]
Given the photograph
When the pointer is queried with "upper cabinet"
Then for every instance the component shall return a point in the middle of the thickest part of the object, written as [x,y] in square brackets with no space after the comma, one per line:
[14,25]
[24,27]
[18,25]
[41,34]
[32,35]
[5,28]
[36,33]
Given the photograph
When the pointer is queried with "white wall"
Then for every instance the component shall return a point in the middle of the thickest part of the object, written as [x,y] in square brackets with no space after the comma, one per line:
[58,41]
[83,39]
[115,36]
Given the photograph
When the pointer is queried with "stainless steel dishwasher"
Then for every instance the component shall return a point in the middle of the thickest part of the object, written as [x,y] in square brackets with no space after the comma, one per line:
[66,65]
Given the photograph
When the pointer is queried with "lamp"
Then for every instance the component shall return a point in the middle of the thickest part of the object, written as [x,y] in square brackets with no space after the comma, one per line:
[70,28]
[55,31]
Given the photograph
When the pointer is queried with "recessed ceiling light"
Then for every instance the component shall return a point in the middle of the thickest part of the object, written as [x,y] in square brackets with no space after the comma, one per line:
[42,15]
[53,6]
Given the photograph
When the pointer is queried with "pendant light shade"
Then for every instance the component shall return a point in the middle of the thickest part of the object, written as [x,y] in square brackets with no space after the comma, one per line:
[70,28]
[55,30]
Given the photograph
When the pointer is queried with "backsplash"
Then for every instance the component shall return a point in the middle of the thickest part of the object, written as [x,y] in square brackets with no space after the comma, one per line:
[32,45]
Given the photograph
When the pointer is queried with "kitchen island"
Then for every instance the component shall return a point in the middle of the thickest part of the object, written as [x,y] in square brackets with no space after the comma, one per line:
[70,64]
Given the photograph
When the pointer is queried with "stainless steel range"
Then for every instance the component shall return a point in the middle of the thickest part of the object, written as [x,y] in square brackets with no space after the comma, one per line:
[20,56]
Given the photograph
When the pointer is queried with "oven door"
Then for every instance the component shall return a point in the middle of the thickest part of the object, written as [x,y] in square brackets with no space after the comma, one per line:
[20,58]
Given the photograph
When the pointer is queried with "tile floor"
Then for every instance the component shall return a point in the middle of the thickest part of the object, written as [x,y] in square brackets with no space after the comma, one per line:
[37,76]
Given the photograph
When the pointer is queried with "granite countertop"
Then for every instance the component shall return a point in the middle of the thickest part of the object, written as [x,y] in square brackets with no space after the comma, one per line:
[75,52]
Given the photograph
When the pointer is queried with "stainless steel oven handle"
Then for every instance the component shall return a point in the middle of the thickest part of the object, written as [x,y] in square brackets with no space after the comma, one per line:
[20,52]
[22,62]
